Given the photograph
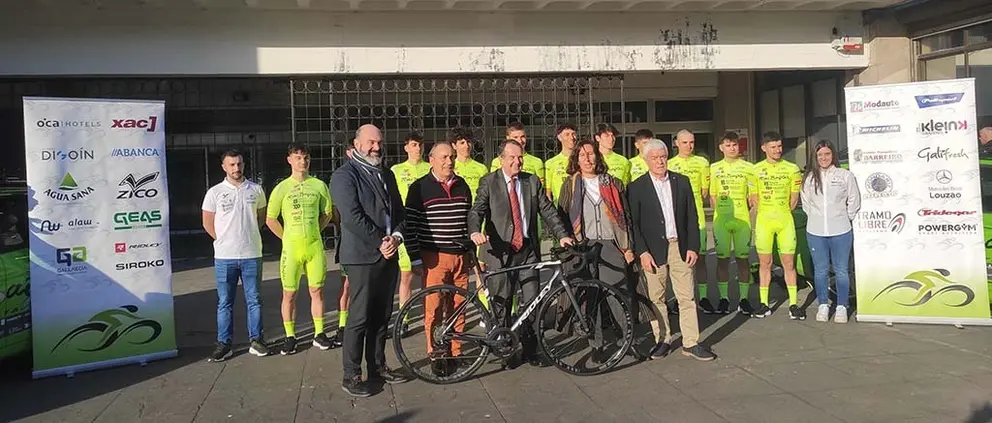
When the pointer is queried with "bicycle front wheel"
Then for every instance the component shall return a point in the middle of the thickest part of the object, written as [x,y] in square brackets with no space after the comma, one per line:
[447,344]
[594,347]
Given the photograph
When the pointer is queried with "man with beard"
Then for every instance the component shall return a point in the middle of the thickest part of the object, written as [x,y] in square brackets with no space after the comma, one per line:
[372,224]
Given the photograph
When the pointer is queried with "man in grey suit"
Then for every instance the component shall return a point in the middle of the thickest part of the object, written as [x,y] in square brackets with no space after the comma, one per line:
[509,201]
[373,220]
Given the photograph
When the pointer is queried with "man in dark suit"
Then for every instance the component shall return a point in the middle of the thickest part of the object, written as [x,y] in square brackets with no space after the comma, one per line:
[372,224]
[661,203]
[509,201]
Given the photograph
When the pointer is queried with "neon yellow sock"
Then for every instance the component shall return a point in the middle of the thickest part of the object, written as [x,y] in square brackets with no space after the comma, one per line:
[702,290]
[406,319]
[763,293]
[745,288]
[484,300]
[342,318]
[723,287]
[318,325]
[515,304]
[289,326]
[793,295]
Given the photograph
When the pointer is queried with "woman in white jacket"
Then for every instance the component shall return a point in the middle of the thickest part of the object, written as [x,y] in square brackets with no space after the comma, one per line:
[831,200]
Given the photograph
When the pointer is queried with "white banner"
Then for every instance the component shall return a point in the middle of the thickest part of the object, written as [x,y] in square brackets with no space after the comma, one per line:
[101,273]
[919,249]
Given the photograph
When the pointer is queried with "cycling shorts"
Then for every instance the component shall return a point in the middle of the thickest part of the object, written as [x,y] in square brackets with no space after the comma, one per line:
[772,230]
[405,265]
[731,230]
[298,258]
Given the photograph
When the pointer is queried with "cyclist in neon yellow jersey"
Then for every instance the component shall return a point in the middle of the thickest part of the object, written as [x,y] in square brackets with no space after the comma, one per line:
[304,203]
[555,168]
[412,169]
[638,166]
[616,164]
[775,193]
[697,169]
[533,165]
[729,181]
[470,170]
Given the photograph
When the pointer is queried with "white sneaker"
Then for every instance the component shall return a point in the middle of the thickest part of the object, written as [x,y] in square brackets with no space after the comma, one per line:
[840,316]
[823,313]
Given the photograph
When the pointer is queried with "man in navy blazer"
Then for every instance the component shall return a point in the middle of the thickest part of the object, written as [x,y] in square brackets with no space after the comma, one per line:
[373,220]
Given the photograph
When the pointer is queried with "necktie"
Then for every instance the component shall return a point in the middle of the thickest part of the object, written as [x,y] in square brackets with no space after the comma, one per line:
[518,222]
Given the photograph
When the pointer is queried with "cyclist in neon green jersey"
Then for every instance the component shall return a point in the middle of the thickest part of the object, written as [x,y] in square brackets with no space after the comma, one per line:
[304,203]
[532,164]
[775,193]
[638,166]
[697,169]
[729,181]
[406,173]
[555,168]
[616,164]
[470,170]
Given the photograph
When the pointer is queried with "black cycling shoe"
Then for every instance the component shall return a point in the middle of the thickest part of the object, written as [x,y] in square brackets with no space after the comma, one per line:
[762,312]
[321,341]
[706,306]
[288,346]
[745,307]
[336,339]
[723,307]
[797,313]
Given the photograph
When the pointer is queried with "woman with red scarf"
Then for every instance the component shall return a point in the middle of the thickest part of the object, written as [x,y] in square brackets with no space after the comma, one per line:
[595,205]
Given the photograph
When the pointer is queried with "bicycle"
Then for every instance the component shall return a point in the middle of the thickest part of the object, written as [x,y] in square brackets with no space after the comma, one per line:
[500,337]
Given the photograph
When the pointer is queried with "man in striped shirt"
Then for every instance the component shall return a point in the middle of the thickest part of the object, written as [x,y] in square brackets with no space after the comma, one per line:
[437,207]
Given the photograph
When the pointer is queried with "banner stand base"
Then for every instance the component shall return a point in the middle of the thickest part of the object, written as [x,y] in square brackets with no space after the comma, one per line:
[958,322]
[70,371]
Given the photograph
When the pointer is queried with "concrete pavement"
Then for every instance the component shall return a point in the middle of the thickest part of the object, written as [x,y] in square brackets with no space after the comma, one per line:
[769,370]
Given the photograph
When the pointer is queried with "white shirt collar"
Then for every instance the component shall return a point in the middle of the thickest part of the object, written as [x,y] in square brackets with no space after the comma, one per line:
[655,178]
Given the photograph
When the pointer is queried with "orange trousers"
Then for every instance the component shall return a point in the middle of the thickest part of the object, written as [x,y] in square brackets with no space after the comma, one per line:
[443,268]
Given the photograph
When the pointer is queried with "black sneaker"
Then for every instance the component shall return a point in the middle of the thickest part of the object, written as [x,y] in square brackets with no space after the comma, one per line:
[706,307]
[288,346]
[723,307]
[355,387]
[221,352]
[336,340]
[660,350]
[699,352]
[745,307]
[762,312]
[391,377]
[321,341]
[258,348]
[797,313]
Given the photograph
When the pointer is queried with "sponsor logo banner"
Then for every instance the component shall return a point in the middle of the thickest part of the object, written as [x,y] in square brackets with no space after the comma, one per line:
[96,170]
[919,240]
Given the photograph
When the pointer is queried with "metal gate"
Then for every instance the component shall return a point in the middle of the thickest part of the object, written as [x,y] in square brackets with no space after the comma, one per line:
[327,111]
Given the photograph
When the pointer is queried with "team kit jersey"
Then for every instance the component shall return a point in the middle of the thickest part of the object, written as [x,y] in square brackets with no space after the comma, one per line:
[774,184]
[472,172]
[697,169]
[729,182]
[301,204]
[638,167]
[406,173]
[618,166]
[235,209]
[532,165]
[555,172]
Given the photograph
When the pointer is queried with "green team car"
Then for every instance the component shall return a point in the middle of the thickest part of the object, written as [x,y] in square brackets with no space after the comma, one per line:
[15,297]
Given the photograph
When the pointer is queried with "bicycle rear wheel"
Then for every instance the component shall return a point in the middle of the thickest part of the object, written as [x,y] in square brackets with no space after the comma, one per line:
[606,312]
[456,354]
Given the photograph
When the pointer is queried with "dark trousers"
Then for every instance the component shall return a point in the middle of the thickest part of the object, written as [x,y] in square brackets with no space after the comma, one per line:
[371,305]
[503,286]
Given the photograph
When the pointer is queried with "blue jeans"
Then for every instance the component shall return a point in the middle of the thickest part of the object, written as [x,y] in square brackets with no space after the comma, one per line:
[831,250]
[228,272]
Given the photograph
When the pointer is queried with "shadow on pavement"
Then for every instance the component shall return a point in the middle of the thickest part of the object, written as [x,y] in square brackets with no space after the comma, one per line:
[401,417]
[982,414]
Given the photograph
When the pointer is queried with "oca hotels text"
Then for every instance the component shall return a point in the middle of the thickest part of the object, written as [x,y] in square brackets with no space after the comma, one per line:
[48,123]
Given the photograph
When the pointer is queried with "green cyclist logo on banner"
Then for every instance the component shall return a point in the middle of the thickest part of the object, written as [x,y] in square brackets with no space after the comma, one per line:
[929,284]
[109,323]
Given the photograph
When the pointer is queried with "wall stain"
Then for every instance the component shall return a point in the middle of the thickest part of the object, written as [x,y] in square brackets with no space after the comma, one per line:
[401,62]
[485,60]
[686,46]
[343,65]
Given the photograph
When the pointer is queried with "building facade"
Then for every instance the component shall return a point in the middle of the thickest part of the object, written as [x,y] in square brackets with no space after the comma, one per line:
[258,74]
